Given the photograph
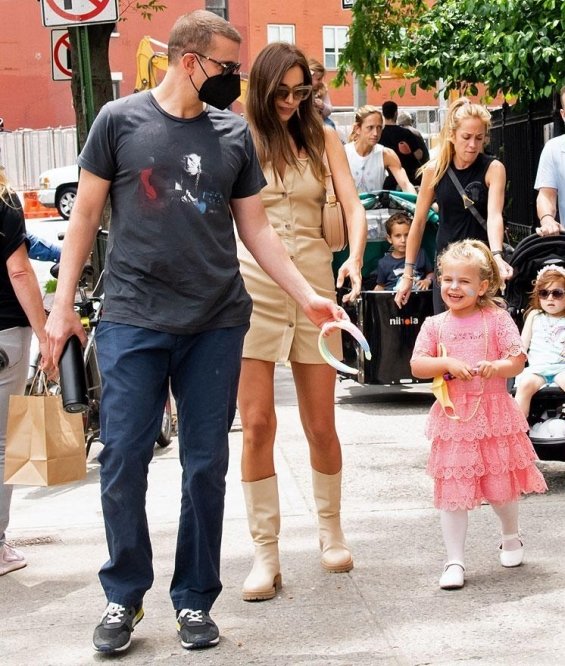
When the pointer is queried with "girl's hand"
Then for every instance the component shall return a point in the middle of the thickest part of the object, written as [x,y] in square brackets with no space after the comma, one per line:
[459,369]
[403,292]
[485,369]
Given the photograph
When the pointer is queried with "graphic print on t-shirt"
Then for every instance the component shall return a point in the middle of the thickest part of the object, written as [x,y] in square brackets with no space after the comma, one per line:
[187,185]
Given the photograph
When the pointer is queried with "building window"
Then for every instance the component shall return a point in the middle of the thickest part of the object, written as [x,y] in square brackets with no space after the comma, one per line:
[280,33]
[335,39]
[219,7]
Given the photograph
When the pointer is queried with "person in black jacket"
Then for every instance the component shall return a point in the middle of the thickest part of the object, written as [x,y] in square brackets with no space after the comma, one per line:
[404,144]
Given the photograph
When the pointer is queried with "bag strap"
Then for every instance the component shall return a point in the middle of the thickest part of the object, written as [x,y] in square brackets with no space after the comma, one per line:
[38,384]
[468,203]
[331,198]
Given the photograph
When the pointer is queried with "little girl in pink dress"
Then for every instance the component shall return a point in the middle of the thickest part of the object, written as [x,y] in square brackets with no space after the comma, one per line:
[480,449]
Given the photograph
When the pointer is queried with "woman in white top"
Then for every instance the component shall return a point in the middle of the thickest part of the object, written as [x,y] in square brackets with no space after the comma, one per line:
[368,160]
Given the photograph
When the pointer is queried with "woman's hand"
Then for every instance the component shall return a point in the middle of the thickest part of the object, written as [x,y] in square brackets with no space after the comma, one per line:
[350,268]
[403,292]
[506,271]
[321,310]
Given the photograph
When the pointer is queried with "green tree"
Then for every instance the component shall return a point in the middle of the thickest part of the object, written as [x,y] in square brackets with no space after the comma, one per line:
[99,41]
[514,47]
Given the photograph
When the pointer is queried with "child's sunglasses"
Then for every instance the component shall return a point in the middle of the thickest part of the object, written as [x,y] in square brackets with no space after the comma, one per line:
[556,293]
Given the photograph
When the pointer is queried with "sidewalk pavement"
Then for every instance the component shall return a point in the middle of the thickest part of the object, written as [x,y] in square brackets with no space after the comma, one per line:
[387,610]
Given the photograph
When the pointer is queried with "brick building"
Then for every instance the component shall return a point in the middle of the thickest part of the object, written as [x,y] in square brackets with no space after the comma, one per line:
[30,98]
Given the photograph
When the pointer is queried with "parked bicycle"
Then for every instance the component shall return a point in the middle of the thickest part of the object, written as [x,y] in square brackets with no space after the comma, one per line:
[89,309]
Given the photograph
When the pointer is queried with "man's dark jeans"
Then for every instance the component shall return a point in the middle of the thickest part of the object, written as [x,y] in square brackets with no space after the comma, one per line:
[136,365]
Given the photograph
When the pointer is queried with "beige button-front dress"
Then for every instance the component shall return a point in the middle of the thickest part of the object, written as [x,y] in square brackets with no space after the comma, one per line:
[280,331]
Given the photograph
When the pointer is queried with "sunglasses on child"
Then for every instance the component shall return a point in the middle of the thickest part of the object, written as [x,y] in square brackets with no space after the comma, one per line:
[298,92]
[556,293]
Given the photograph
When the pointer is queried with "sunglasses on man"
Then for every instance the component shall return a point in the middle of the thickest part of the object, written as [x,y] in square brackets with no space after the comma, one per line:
[227,67]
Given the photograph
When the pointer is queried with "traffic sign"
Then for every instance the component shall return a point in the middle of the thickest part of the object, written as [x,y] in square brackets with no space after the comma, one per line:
[78,12]
[61,68]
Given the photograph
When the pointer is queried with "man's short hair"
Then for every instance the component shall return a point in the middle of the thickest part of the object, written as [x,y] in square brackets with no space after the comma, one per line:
[193,32]
[562,97]
[397,218]
[390,109]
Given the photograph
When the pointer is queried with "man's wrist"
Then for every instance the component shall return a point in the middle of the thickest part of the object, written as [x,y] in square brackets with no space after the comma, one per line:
[551,215]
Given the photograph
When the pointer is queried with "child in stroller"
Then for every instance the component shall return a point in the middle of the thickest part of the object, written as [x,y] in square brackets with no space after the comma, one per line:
[540,263]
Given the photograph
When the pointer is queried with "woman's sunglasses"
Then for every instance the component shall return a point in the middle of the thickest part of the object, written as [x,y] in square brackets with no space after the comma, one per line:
[298,92]
[556,293]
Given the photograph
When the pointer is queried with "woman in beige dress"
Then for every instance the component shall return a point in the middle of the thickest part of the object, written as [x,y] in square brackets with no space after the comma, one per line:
[290,140]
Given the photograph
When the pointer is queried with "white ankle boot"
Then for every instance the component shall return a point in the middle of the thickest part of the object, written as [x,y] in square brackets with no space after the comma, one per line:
[263,515]
[336,556]
[511,558]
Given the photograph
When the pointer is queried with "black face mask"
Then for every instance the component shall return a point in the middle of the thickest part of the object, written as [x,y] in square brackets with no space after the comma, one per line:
[220,90]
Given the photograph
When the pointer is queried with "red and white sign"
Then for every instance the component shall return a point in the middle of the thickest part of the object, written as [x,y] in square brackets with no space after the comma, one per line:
[57,13]
[61,55]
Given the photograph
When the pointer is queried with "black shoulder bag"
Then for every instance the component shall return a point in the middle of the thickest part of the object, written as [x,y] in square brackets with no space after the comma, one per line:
[469,205]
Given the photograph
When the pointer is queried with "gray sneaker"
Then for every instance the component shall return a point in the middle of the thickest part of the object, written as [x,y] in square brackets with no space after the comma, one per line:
[11,559]
[113,634]
[196,629]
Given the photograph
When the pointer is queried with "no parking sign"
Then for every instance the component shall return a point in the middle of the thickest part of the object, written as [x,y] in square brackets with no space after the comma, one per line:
[61,66]
[78,12]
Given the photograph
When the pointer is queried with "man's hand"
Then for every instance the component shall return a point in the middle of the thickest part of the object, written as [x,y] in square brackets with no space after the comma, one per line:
[61,324]
[549,227]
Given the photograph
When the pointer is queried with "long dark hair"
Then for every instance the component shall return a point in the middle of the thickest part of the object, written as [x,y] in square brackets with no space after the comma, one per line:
[269,133]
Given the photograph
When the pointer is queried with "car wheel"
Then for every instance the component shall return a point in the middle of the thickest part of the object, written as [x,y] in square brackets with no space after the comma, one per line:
[65,201]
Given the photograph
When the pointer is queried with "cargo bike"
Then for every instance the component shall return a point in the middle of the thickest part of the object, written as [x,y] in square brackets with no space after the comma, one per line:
[390,331]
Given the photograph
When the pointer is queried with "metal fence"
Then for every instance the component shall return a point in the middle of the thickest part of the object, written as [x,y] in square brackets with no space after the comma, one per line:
[26,153]
[517,138]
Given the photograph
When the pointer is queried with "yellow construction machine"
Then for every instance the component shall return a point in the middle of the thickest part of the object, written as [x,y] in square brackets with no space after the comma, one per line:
[152,61]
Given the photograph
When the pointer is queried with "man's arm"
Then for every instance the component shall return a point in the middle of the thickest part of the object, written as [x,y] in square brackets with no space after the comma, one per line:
[546,206]
[79,238]
[262,241]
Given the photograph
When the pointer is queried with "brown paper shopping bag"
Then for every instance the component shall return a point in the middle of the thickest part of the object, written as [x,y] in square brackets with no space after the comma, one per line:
[44,444]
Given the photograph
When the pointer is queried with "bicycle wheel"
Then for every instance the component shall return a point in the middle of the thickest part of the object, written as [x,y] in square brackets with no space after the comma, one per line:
[166,435]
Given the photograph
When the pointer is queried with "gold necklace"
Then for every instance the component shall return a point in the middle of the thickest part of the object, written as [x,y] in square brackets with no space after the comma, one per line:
[454,416]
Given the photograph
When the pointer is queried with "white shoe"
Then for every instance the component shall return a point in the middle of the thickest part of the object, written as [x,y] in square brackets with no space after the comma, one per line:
[11,559]
[511,558]
[453,576]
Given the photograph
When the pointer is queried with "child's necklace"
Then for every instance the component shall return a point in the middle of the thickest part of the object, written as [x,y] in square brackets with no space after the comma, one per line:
[482,384]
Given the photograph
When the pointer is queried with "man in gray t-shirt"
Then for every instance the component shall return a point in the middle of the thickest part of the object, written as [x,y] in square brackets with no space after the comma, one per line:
[176,168]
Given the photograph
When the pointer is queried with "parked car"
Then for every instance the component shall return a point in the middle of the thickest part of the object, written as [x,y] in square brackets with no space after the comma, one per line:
[58,189]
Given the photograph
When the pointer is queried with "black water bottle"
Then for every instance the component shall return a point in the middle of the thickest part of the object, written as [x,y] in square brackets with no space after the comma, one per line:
[73,377]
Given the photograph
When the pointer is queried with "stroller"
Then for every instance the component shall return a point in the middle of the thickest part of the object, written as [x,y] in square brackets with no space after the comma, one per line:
[390,332]
[547,409]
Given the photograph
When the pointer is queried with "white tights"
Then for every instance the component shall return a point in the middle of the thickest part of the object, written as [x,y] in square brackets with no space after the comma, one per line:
[454,528]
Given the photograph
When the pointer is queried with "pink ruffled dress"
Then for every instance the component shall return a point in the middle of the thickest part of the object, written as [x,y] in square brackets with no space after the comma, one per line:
[486,453]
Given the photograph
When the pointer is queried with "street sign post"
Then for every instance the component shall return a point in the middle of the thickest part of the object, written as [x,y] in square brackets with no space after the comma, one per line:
[61,66]
[58,13]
